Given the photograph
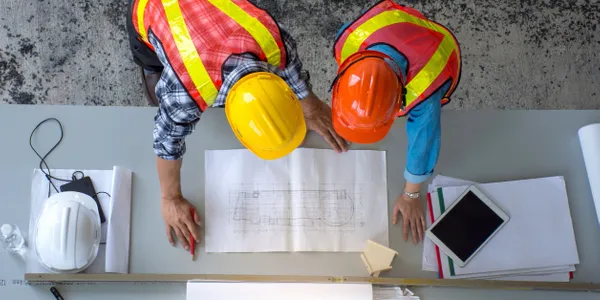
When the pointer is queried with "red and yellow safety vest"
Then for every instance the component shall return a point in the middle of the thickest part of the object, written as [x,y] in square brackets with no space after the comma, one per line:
[199,36]
[432,51]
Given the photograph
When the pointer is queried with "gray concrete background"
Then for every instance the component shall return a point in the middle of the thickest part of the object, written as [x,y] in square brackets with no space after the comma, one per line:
[517,54]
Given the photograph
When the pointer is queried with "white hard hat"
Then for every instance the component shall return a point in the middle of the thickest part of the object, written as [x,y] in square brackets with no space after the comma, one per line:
[67,233]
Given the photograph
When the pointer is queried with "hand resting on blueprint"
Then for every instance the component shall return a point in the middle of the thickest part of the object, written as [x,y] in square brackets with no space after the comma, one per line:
[318,118]
[412,214]
[177,216]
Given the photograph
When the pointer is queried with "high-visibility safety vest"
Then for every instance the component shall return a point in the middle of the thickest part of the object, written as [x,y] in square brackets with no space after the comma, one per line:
[432,52]
[199,36]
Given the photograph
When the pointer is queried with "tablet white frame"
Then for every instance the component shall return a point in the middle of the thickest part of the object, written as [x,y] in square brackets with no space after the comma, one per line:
[487,202]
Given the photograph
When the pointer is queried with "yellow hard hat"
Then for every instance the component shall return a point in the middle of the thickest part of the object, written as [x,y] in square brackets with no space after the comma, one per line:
[265,115]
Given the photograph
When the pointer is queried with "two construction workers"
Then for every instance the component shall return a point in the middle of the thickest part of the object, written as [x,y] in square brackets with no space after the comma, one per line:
[199,54]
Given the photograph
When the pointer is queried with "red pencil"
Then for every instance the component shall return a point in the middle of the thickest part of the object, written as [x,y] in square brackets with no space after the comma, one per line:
[193,242]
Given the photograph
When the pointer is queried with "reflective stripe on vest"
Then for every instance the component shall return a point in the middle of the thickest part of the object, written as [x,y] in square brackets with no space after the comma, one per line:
[434,66]
[189,55]
[185,45]
[257,30]
[141,7]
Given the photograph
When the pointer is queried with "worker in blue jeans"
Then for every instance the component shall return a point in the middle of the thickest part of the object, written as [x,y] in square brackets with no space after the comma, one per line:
[395,62]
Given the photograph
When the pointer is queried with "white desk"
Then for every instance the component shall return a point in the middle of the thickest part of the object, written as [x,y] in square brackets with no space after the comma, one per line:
[504,145]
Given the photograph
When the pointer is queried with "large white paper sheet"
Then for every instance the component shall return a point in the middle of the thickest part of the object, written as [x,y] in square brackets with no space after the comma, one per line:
[430,263]
[545,274]
[310,200]
[539,233]
[112,257]
[589,138]
[119,222]
[277,291]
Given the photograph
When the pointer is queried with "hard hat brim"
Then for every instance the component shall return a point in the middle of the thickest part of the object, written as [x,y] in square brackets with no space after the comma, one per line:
[357,135]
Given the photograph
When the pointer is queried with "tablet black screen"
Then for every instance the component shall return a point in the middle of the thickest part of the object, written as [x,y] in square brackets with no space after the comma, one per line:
[468,225]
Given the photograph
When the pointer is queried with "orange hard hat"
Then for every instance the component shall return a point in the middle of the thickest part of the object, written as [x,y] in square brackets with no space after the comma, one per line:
[367,96]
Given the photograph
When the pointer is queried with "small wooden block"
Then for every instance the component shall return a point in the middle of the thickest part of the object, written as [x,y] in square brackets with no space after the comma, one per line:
[377,258]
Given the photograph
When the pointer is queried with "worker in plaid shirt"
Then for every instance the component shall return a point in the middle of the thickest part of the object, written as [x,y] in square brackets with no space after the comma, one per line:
[199,54]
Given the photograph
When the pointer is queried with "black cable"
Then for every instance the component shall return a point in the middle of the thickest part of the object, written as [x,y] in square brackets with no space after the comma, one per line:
[43,162]
[107,194]
[74,177]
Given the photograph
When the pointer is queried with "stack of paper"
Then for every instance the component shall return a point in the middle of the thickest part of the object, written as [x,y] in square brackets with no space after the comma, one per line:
[537,243]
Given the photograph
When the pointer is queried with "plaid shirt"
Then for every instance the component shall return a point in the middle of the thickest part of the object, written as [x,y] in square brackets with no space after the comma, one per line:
[178,113]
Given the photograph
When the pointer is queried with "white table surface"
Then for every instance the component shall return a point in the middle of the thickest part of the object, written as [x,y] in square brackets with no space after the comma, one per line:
[482,146]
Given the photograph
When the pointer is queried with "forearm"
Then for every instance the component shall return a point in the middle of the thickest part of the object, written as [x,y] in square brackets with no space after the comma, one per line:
[169,175]
[424,135]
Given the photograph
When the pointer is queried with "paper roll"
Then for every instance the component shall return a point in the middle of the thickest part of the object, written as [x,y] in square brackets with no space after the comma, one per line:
[589,137]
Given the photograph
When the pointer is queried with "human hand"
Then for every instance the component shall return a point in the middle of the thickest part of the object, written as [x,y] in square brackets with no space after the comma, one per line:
[178,219]
[412,216]
[318,118]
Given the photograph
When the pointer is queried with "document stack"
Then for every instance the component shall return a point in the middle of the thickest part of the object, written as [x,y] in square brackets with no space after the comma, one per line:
[536,244]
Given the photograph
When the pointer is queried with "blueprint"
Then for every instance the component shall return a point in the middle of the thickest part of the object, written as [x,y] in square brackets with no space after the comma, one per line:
[310,200]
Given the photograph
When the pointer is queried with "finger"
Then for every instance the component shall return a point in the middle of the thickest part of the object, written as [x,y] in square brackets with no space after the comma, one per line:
[186,232]
[170,235]
[395,214]
[182,238]
[413,227]
[197,218]
[423,223]
[405,227]
[419,226]
[339,140]
[331,141]
[192,228]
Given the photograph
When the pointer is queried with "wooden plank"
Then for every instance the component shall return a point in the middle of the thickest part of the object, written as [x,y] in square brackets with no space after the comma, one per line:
[407,282]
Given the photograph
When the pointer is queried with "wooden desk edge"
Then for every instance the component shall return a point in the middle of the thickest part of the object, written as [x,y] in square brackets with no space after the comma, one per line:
[172,278]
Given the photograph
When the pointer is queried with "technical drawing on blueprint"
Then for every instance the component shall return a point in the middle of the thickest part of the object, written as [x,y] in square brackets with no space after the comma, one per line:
[263,208]
[295,203]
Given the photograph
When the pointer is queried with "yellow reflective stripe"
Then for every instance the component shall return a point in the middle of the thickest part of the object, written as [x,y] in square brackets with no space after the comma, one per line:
[434,66]
[259,32]
[430,71]
[141,9]
[386,18]
[189,54]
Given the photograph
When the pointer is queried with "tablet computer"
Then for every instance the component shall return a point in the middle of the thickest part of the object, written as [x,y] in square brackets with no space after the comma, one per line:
[467,225]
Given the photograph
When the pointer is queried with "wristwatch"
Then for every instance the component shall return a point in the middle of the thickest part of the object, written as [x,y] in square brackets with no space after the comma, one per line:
[412,195]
